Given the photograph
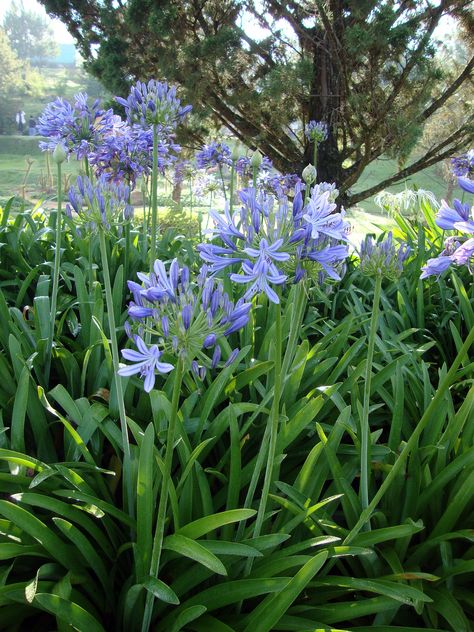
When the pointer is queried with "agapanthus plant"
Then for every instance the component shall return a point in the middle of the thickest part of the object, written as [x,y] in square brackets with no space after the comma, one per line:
[214,154]
[463,165]
[265,244]
[127,154]
[100,204]
[458,249]
[154,104]
[183,318]
[380,259]
[273,241]
[79,127]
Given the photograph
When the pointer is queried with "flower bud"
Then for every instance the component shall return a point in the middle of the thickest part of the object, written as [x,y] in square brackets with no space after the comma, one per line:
[256,159]
[235,155]
[309,174]
[59,154]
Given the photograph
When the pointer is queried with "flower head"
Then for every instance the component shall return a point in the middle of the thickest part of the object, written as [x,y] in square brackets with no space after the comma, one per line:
[78,126]
[154,103]
[316,131]
[463,165]
[383,258]
[269,241]
[214,154]
[185,318]
[102,203]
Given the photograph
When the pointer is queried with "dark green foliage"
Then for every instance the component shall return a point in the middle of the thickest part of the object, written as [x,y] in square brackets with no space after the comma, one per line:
[70,555]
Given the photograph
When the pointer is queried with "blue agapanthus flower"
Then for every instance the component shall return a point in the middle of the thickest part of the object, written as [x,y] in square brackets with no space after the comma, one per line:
[466,184]
[244,169]
[269,241]
[463,165]
[99,203]
[214,154]
[127,154]
[78,126]
[316,131]
[154,103]
[184,318]
[146,363]
[383,258]
[457,249]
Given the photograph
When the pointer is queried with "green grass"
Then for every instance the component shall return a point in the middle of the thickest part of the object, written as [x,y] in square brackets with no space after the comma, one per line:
[428,179]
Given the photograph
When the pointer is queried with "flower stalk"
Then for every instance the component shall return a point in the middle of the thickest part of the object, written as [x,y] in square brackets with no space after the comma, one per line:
[127,480]
[154,197]
[165,485]
[364,424]
[57,263]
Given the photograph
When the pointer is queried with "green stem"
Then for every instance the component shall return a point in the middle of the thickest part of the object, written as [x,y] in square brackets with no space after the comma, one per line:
[57,263]
[364,422]
[223,183]
[254,177]
[162,507]
[412,442]
[289,355]
[126,256]
[231,193]
[315,155]
[91,269]
[127,480]
[154,198]
[190,198]
[273,422]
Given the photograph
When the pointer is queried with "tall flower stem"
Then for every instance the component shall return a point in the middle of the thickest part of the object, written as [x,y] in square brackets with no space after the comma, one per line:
[91,269]
[364,424]
[223,183]
[190,198]
[315,155]
[273,422]
[57,263]
[154,198]
[231,192]
[127,487]
[165,485]
[289,354]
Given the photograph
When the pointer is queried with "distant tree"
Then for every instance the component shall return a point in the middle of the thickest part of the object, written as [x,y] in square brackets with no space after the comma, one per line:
[30,33]
[264,68]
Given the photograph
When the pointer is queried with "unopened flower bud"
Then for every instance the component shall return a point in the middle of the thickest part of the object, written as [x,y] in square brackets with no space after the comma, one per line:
[59,154]
[235,155]
[309,174]
[256,159]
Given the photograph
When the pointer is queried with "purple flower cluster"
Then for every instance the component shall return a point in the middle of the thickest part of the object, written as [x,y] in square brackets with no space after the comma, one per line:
[154,103]
[267,238]
[184,318]
[244,169]
[80,128]
[457,249]
[127,153]
[463,165]
[100,203]
[316,131]
[383,258]
[214,154]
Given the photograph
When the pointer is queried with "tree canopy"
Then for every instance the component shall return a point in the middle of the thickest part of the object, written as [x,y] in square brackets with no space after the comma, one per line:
[29,33]
[264,68]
